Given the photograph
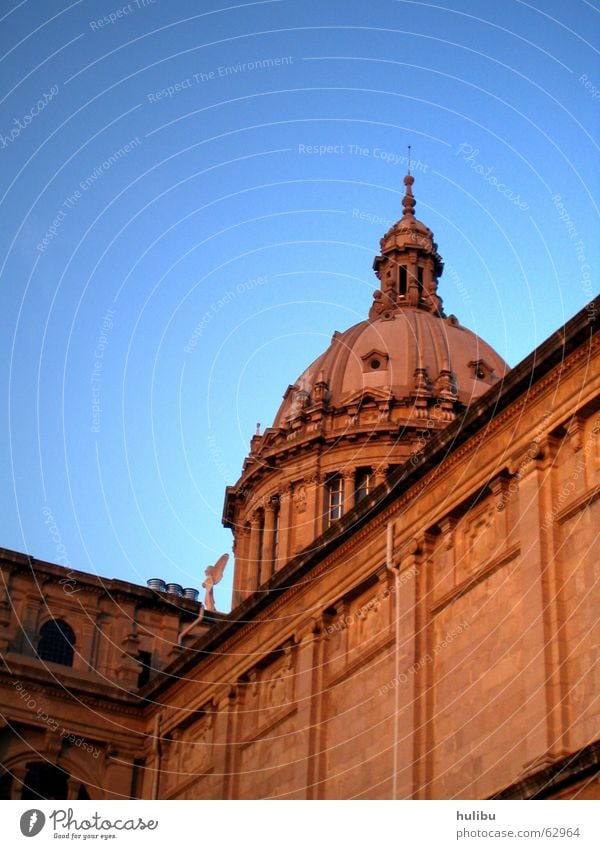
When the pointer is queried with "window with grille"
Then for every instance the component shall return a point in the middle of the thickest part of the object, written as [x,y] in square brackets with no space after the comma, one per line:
[56,642]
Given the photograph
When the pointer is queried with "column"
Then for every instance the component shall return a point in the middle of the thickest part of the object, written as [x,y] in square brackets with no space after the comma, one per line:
[5,633]
[349,494]
[242,544]
[311,695]
[253,555]
[18,782]
[304,509]
[319,500]
[320,511]
[234,736]
[222,743]
[402,697]
[547,702]
[85,639]
[285,525]
[5,610]
[128,668]
[428,284]
[413,285]
[118,773]
[269,541]
[419,560]
[73,785]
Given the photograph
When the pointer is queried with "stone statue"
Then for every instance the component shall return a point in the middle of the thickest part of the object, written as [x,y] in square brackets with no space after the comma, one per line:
[213,576]
[381,302]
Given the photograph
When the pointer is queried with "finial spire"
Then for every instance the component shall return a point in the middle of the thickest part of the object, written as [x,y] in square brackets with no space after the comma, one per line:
[408,201]
[409,160]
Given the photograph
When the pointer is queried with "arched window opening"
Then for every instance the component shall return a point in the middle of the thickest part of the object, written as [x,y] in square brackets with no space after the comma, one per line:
[56,642]
[335,498]
[365,482]
[403,281]
[45,781]
[145,662]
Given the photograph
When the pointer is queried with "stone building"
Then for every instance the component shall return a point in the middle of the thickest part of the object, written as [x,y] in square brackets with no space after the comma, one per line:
[415,590]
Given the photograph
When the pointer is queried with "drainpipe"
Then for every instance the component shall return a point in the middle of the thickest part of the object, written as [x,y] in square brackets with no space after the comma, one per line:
[389,562]
[189,627]
[156,750]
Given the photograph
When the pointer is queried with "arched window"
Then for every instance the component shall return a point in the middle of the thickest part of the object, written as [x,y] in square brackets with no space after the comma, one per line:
[45,781]
[365,481]
[56,642]
[335,498]
[403,281]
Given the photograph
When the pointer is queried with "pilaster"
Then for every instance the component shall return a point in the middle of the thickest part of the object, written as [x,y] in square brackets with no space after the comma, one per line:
[268,557]
[254,554]
[349,477]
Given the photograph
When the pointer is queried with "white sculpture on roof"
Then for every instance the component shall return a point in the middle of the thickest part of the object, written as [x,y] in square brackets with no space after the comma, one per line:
[213,576]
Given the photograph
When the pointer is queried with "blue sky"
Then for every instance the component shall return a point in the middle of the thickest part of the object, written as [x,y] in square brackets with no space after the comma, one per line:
[192,197]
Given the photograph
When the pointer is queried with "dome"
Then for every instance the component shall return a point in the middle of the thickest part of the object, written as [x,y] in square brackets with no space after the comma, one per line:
[368,404]
[408,354]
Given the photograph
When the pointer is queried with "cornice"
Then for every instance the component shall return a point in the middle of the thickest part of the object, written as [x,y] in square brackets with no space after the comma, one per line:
[38,681]
[18,563]
[469,583]
[588,497]
[564,772]
[178,790]
[362,659]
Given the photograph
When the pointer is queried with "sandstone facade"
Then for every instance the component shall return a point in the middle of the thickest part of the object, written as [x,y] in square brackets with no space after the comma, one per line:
[427,628]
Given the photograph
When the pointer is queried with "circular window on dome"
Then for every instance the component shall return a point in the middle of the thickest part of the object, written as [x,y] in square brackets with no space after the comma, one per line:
[374,360]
